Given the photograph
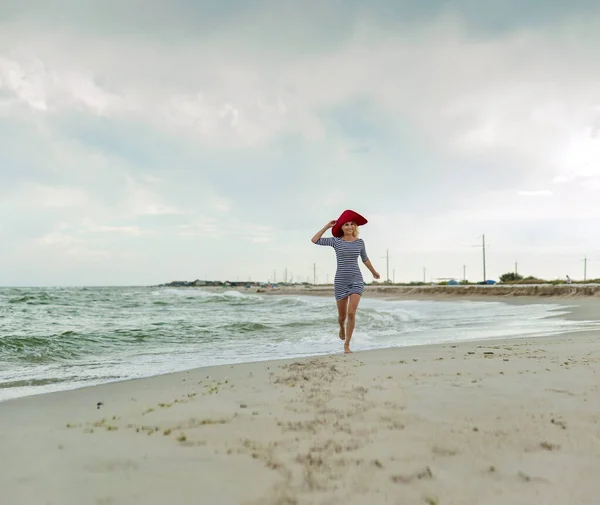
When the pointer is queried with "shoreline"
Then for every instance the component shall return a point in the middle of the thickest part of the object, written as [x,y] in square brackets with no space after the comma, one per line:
[507,291]
[279,362]
[579,309]
[583,304]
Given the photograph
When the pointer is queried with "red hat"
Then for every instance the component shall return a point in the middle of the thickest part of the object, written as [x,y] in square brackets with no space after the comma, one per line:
[345,217]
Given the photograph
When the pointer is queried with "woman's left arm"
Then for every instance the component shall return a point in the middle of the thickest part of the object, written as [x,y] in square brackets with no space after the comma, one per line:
[367,261]
[371,268]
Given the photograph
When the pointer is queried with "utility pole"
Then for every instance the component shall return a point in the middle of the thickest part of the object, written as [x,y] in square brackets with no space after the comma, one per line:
[314,273]
[483,250]
[387,256]
[274,277]
[285,276]
[484,275]
[387,261]
[464,272]
[424,274]
[585,260]
[516,271]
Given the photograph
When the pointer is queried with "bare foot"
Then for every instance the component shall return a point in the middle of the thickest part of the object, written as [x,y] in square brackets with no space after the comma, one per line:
[342,333]
[347,349]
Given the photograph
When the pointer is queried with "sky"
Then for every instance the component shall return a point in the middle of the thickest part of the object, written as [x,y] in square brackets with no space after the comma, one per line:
[143,142]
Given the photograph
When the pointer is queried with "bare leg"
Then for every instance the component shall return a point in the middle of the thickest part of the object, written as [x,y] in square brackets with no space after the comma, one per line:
[353,302]
[342,306]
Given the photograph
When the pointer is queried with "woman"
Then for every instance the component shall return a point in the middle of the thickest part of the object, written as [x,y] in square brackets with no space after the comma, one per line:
[348,283]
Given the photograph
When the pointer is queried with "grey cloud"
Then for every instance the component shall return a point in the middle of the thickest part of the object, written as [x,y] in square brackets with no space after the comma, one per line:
[285,23]
[412,126]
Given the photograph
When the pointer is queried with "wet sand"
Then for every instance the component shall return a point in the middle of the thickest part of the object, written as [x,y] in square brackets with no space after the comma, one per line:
[487,423]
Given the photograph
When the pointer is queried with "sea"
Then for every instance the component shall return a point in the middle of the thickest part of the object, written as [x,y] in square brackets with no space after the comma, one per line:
[54,339]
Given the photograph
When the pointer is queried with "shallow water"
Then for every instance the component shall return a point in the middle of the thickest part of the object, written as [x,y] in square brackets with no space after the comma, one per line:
[60,338]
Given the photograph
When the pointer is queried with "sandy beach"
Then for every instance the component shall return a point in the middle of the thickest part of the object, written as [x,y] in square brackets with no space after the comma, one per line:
[506,292]
[491,423]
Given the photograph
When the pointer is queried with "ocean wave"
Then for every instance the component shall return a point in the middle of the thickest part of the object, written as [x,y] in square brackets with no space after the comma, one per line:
[40,350]
[42,299]
[133,332]
[34,382]
[201,296]
[244,327]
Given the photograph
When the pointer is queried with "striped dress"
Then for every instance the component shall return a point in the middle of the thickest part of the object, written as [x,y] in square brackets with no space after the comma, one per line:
[348,277]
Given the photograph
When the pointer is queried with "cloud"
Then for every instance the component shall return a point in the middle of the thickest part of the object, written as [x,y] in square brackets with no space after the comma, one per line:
[205,226]
[61,247]
[59,239]
[144,201]
[89,226]
[536,192]
[261,234]
[201,124]
[49,197]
